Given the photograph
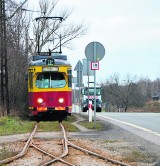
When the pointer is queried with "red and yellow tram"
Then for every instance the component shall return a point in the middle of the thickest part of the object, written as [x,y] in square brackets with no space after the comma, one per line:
[50,86]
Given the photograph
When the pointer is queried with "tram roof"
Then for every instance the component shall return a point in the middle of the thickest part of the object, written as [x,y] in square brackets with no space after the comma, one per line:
[41,60]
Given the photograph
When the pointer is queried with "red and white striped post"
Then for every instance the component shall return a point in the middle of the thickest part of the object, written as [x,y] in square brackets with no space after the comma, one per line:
[90,110]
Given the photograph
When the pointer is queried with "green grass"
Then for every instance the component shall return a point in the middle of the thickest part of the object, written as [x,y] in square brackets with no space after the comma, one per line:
[110,141]
[14,125]
[92,125]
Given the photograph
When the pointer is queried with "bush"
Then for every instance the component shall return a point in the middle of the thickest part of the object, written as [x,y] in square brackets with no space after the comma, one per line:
[152,106]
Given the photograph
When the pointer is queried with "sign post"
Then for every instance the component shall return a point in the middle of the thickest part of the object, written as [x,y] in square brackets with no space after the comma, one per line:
[87,72]
[90,110]
[94,52]
[79,69]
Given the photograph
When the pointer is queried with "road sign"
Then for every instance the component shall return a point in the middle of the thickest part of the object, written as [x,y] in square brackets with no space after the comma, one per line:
[79,77]
[79,66]
[94,51]
[94,65]
[74,79]
[79,85]
[86,68]
[79,69]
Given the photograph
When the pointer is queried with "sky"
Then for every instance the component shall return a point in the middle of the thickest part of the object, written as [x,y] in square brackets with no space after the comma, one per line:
[129,30]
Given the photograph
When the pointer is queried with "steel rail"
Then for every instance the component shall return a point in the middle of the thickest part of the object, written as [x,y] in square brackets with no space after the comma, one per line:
[65,150]
[24,150]
[55,158]
[97,155]
[67,143]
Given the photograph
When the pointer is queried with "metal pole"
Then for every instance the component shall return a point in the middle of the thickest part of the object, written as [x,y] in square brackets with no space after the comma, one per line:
[94,51]
[88,85]
[79,84]
[74,98]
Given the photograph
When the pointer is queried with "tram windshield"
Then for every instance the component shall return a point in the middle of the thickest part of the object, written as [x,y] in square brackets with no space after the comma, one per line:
[50,80]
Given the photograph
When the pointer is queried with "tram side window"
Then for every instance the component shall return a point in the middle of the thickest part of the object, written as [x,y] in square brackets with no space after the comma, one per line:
[69,72]
[50,80]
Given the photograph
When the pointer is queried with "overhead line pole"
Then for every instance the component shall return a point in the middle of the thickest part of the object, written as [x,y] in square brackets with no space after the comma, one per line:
[3,54]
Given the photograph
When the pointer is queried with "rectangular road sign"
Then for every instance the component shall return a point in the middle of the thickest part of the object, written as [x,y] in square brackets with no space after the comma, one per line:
[86,68]
[94,65]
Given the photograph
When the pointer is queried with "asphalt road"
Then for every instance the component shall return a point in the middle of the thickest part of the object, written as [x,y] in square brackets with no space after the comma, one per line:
[144,125]
[150,121]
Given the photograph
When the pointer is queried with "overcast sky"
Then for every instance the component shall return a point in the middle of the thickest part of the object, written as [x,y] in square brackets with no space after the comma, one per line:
[129,31]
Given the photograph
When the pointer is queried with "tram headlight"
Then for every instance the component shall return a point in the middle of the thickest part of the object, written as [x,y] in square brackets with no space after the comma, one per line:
[61,100]
[40,100]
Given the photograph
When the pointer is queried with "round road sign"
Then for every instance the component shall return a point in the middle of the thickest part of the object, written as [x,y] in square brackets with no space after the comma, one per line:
[94,51]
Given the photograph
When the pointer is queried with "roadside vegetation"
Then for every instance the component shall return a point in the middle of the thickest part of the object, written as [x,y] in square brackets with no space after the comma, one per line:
[15,125]
[130,93]
[152,106]
[91,125]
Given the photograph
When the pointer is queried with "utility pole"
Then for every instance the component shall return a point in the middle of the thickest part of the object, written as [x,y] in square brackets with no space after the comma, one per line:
[3,59]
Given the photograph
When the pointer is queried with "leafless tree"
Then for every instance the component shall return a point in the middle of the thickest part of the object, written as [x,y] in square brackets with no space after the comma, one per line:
[20,45]
[146,88]
[17,60]
[122,93]
[51,33]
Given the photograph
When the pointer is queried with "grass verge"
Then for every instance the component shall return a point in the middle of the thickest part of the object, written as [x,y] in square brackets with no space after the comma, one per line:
[14,125]
[91,125]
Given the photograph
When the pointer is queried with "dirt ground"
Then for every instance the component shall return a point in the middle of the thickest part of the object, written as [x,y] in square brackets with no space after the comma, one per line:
[34,157]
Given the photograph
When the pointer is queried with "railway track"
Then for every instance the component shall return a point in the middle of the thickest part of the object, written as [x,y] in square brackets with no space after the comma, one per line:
[66,145]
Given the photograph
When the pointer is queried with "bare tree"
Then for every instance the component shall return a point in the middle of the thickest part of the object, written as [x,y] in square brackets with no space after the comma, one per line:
[146,88]
[122,93]
[51,33]
[19,45]
[17,59]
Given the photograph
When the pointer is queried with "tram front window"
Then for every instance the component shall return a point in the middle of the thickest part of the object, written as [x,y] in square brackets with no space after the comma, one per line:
[50,80]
